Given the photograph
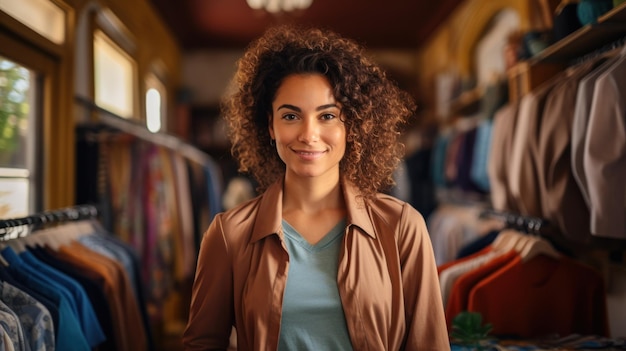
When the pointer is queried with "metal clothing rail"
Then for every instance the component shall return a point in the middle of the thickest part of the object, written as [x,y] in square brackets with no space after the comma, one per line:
[526,224]
[608,48]
[67,214]
[115,122]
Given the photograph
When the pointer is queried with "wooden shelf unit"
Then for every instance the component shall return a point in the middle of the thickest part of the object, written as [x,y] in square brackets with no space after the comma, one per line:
[529,74]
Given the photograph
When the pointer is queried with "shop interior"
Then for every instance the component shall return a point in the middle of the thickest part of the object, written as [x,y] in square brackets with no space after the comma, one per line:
[111,139]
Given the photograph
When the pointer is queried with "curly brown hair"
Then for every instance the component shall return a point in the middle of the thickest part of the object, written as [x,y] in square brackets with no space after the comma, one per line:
[373,107]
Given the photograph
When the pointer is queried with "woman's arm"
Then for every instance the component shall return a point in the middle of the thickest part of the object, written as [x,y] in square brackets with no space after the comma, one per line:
[426,323]
[211,313]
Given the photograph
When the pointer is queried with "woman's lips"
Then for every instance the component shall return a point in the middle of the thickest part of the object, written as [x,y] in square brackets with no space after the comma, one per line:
[309,155]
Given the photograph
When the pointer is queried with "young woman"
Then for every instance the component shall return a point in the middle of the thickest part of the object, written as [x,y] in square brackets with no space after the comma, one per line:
[321,260]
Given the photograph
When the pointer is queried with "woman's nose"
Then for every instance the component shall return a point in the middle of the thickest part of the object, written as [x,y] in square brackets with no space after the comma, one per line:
[309,132]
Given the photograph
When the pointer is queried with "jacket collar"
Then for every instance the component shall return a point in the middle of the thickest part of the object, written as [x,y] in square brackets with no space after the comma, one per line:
[269,217]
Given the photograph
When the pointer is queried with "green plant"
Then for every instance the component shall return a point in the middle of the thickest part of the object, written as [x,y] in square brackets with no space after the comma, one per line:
[468,330]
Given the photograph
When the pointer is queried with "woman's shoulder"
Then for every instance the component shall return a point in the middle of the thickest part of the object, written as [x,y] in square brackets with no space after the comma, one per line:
[390,203]
[241,212]
[394,209]
[235,225]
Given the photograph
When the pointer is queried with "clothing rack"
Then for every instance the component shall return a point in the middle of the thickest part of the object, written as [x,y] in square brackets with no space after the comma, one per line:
[45,218]
[619,43]
[111,122]
[526,224]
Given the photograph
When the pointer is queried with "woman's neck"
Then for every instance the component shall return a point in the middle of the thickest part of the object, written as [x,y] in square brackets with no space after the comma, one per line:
[312,195]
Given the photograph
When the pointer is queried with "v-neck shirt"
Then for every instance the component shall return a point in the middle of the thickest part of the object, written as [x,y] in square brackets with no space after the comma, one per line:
[313,316]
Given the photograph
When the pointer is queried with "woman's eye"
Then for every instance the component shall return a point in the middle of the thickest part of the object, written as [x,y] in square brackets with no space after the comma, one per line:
[289,117]
[328,116]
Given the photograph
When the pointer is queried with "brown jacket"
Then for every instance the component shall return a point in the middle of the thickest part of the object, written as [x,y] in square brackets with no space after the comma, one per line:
[387,277]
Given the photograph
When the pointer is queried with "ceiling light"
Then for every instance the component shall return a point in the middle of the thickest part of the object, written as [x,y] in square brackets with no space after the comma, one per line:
[275,6]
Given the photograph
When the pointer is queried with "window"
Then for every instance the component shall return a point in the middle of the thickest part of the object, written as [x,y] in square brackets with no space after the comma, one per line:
[155,104]
[17,138]
[42,16]
[114,77]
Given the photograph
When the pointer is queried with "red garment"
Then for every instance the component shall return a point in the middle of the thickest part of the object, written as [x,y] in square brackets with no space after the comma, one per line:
[458,299]
[542,296]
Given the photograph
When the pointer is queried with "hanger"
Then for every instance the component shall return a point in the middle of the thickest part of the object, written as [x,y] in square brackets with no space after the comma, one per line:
[538,246]
[60,235]
[14,231]
[7,232]
[17,244]
[507,240]
[526,245]
[11,234]
[69,224]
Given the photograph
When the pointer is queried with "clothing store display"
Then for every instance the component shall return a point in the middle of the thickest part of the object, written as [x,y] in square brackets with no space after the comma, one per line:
[503,131]
[452,227]
[517,109]
[458,299]
[523,180]
[477,244]
[584,99]
[605,162]
[566,297]
[588,11]
[34,317]
[562,200]
[452,157]
[549,156]
[160,201]
[566,20]
[72,286]
[465,160]
[524,294]
[480,158]
[422,196]
[438,159]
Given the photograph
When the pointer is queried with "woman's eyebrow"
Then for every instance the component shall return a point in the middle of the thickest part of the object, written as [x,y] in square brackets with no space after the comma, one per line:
[295,108]
[291,107]
[323,107]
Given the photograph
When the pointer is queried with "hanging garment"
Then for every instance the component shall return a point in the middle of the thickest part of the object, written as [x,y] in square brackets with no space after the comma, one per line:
[10,322]
[522,161]
[499,158]
[482,147]
[438,160]
[542,296]
[605,152]
[465,160]
[69,335]
[562,201]
[95,263]
[461,288]
[448,277]
[584,98]
[34,317]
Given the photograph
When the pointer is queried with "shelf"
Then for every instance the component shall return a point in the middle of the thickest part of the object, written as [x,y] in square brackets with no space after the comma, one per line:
[468,103]
[617,14]
[581,42]
[610,27]
[529,74]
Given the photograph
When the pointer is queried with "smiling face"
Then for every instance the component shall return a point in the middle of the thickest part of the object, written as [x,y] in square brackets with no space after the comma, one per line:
[306,124]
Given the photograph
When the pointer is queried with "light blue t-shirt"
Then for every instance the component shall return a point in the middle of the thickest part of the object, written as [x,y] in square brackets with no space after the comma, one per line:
[313,317]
